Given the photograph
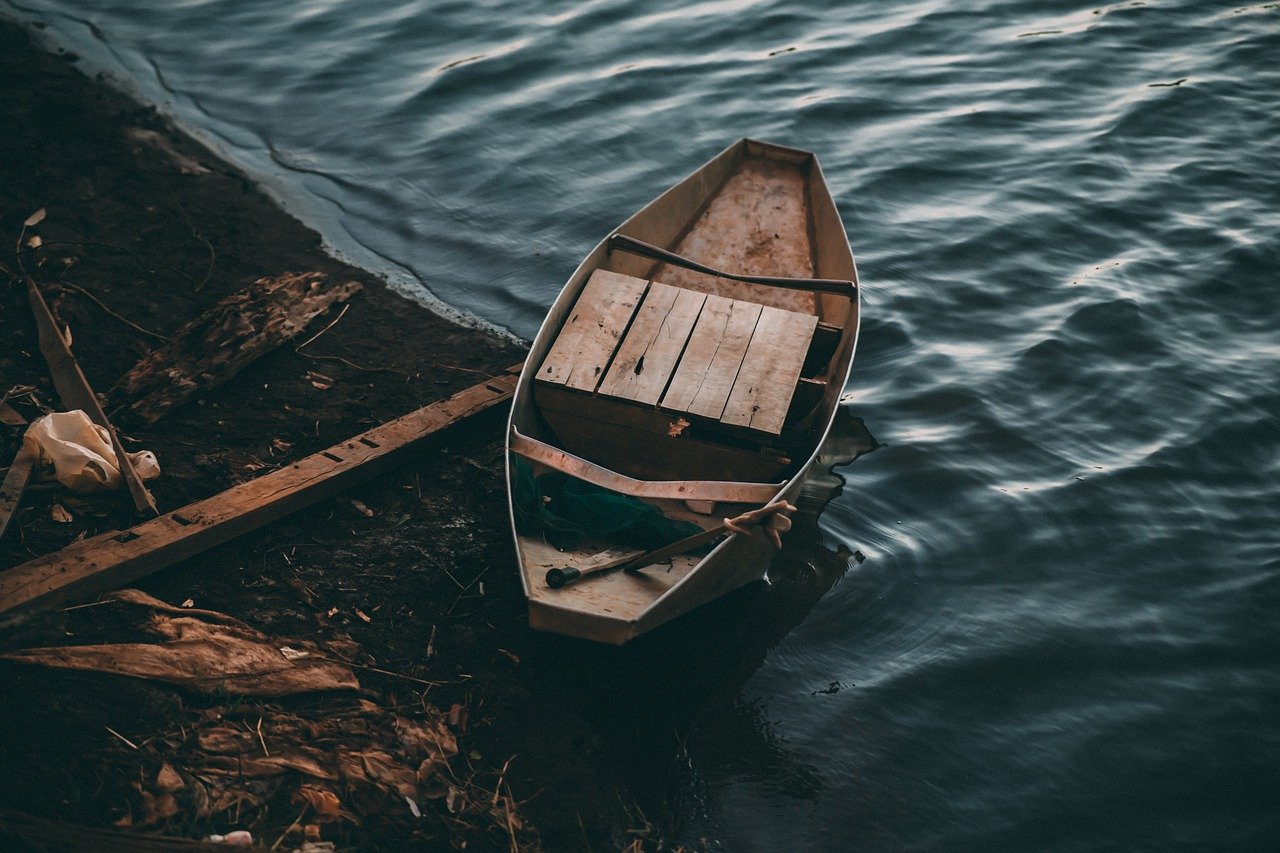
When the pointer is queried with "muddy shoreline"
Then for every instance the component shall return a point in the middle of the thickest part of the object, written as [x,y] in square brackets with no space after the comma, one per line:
[144,230]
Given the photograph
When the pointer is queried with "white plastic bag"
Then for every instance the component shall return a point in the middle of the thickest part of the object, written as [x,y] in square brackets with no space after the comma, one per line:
[80,452]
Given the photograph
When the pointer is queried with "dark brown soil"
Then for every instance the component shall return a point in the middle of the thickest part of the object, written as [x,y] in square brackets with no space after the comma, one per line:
[157,241]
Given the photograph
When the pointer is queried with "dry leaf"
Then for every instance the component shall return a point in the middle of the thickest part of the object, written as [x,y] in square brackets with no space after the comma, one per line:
[156,809]
[190,602]
[323,803]
[363,510]
[59,514]
[323,386]
[168,780]
[35,218]
[281,445]
[458,717]
[678,426]
[34,241]
[362,615]
[293,654]
[275,765]
[383,768]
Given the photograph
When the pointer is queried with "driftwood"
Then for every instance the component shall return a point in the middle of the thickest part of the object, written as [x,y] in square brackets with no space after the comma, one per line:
[225,339]
[110,560]
[75,392]
[206,652]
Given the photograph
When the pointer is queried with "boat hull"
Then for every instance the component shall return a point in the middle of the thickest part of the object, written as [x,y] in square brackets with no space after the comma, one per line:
[618,608]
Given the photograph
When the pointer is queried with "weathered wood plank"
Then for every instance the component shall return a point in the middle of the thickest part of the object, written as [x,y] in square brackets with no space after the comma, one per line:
[15,483]
[705,377]
[649,353]
[587,341]
[104,562]
[75,392]
[222,341]
[767,379]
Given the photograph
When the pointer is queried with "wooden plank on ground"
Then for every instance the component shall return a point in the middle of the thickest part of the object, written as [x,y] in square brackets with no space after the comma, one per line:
[15,483]
[92,566]
[705,377]
[643,365]
[75,392]
[587,341]
[767,380]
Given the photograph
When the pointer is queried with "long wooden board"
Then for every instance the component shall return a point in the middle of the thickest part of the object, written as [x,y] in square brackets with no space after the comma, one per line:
[642,368]
[703,380]
[590,336]
[767,380]
[107,561]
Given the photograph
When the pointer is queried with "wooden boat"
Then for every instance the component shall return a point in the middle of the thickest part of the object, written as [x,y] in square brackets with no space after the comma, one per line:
[694,360]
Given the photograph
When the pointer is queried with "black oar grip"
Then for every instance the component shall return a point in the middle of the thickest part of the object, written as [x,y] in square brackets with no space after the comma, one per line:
[557,578]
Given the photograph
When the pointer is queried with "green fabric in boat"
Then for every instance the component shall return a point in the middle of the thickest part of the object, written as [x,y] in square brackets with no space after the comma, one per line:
[567,511]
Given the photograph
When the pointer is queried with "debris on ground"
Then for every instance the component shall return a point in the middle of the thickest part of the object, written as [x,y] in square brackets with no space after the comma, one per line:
[225,339]
[81,454]
[203,651]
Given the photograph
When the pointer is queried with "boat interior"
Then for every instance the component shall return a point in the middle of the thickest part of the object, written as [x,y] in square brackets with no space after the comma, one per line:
[694,360]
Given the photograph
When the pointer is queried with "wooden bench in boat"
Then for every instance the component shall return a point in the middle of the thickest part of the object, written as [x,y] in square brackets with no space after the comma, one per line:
[642,367]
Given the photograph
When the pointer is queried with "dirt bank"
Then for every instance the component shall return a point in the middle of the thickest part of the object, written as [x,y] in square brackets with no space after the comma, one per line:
[143,231]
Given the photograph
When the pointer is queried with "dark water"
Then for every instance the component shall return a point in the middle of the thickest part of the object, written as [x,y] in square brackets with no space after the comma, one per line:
[1067,220]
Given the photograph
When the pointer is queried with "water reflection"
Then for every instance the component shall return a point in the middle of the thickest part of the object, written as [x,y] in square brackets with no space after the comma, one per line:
[667,708]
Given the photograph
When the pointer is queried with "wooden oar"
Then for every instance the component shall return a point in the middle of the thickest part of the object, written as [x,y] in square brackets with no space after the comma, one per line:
[559,577]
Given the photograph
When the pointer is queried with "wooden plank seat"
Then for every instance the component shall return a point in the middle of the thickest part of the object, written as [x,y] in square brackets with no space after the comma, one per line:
[660,359]
[726,360]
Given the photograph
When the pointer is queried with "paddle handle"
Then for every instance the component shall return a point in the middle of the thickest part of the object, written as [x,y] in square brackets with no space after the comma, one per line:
[559,577]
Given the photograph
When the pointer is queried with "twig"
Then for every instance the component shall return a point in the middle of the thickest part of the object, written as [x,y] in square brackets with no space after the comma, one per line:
[297,820]
[511,830]
[501,776]
[325,329]
[354,365]
[128,742]
[90,604]
[124,320]
[381,671]
[262,740]
[213,256]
